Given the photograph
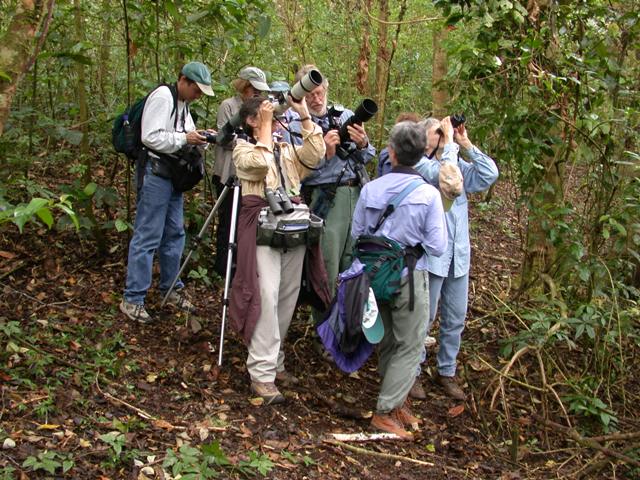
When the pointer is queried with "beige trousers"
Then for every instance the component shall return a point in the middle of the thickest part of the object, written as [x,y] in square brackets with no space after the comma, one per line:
[279,275]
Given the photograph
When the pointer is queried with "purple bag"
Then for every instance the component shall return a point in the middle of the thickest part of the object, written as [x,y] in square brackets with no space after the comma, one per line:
[341,330]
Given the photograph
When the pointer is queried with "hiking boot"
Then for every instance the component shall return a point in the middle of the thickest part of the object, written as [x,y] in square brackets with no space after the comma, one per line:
[406,417]
[268,391]
[179,300]
[417,391]
[286,378]
[429,341]
[389,422]
[135,312]
[451,387]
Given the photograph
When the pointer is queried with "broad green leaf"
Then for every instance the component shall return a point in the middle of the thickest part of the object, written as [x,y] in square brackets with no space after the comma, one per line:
[90,189]
[45,215]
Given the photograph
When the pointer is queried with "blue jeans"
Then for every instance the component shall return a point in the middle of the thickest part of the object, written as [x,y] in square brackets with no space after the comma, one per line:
[452,295]
[159,226]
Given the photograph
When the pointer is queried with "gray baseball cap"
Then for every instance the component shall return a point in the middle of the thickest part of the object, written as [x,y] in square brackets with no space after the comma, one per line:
[256,77]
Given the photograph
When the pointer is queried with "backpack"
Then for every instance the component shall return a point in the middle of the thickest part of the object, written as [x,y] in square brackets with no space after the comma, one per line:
[341,329]
[384,258]
[126,133]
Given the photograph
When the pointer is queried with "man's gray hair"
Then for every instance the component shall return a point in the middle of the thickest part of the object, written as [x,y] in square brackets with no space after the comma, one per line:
[429,122]
[306,69]
[408,140]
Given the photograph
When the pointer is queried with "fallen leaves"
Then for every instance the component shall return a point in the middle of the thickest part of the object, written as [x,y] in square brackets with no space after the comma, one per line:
[456,411]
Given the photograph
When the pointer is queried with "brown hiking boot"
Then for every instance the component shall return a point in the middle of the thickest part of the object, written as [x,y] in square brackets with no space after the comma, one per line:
[406,417]
[389,422]
[451,387]
[268,391]
[417,391]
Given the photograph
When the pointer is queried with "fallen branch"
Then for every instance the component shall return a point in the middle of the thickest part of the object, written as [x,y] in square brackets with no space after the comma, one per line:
[390,456]
[111,398]
[363,437]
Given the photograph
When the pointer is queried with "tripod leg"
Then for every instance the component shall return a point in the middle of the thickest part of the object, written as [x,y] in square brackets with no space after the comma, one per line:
[227,278]
[196,241]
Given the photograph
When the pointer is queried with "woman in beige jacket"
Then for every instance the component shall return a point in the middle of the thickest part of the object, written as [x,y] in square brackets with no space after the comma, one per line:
[264,165]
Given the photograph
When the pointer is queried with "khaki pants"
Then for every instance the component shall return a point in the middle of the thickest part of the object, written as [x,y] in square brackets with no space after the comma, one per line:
[279,277]
[400,349]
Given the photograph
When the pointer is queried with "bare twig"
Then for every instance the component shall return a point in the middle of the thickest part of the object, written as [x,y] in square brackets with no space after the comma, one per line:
[585,441]
[391,456]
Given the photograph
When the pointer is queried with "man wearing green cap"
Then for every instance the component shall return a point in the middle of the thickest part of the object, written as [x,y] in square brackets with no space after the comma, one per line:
[167,126]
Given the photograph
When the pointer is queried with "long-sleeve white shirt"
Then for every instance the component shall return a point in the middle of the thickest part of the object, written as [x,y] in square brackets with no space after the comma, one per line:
[158,131]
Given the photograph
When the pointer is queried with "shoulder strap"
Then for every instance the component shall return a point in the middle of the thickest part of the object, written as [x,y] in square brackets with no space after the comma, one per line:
[396,200]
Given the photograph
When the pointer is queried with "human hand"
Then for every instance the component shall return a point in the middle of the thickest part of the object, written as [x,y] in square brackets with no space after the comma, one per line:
[299,107]
[331,141]
[265,113]
[447,129]
[461,138]
[358,135]
[196,138]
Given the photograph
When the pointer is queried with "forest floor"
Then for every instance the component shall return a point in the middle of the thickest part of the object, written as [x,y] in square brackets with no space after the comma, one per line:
[88,392]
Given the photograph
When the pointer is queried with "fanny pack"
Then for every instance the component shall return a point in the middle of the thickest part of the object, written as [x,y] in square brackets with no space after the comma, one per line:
[289,230]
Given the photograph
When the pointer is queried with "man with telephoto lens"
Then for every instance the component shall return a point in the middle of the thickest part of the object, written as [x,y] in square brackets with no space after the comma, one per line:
[335,187]
[449,273]
[159,224]
[251,82]
[417,223]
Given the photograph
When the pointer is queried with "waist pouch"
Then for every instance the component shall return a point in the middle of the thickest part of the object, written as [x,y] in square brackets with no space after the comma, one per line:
[185,168]
[289,230]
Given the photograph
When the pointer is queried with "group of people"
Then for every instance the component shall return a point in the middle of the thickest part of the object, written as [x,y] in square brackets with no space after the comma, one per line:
[300,155]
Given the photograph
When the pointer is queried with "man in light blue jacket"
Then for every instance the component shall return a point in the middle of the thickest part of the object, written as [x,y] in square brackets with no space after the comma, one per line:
[449,273]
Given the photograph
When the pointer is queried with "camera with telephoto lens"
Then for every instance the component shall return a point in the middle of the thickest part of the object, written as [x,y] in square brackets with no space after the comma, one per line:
[311,80]
[365,111]
[278,200]
[457,119]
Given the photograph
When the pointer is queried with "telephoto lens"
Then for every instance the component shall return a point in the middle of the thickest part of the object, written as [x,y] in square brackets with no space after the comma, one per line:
[285,202]
[457,119]
[365,111]
[273,201]
[307,83]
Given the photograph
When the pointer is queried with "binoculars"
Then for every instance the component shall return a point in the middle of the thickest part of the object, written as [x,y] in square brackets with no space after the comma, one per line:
[278,200]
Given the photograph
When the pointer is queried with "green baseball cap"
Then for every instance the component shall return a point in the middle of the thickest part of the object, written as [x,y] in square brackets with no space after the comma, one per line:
[199,73]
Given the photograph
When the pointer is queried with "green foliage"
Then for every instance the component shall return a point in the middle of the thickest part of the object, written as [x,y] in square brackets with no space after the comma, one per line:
[37,209]
[209,461]
[49,461]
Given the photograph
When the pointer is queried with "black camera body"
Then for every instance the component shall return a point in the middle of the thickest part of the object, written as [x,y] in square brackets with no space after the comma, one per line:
[457,119]
[278,200]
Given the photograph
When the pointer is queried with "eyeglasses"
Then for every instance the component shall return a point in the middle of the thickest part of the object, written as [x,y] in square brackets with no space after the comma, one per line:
[316,94]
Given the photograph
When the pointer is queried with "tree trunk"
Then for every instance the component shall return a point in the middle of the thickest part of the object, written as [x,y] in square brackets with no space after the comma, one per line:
[439,92]
[18,49]
[104,55]
[382,56]
[362,77]
[84,127]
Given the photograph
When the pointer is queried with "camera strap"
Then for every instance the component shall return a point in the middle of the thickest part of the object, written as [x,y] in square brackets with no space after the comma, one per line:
[276,156]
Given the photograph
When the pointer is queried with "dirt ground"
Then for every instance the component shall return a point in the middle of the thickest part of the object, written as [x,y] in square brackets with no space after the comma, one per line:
[77,370]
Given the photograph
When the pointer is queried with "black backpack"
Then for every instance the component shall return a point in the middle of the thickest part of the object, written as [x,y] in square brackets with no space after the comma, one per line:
[126,133]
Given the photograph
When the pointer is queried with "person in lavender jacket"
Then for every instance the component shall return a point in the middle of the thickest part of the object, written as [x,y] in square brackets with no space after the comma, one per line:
[449,273]
[417,220]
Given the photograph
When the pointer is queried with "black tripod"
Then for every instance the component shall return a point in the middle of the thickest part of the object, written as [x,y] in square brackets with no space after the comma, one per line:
[232,182]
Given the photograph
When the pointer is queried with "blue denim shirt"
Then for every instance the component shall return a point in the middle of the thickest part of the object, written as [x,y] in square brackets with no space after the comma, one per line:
[330,168]
[418,219]
[478,175]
